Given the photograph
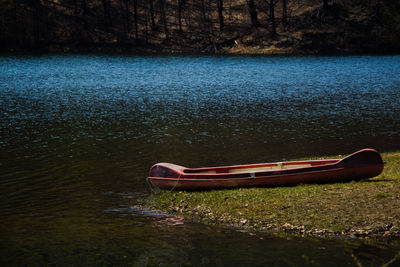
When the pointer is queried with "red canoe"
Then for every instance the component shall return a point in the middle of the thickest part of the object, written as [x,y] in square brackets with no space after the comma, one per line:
[360,165]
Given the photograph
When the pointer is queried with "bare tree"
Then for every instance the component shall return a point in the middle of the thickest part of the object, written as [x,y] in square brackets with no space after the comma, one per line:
[127,17]
[271,7]
[180,6]
[135,15]
[220,4]
[203,11]
[36,6]
[325,4]
[107,13]
[253,13]
[163,18]
[153,24]
[284,10]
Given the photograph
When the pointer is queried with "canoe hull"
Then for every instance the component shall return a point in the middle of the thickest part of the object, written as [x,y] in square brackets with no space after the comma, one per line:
[363,164]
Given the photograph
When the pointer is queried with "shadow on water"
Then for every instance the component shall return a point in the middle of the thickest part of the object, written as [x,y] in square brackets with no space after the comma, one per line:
[79,133]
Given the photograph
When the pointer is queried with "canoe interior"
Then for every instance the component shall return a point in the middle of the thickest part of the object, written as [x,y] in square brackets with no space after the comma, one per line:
[261,167]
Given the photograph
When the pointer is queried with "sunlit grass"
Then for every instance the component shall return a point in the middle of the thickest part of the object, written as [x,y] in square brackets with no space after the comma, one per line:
[368,207]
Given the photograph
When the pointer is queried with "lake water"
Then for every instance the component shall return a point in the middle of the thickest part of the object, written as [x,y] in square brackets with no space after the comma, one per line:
[78,134]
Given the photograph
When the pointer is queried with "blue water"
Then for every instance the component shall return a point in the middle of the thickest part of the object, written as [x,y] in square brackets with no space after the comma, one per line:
[78,134]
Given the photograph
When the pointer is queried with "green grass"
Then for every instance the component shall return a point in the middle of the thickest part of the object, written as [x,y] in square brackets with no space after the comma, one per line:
[366,208]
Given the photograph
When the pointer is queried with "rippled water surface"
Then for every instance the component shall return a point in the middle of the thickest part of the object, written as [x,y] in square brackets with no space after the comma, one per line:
[79,133]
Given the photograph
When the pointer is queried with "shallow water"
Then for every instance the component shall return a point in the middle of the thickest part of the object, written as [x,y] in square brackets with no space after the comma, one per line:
[78,134]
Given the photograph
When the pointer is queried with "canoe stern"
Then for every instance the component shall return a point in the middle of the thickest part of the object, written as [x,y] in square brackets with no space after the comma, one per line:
[165,175]
[366,163]
[166,170]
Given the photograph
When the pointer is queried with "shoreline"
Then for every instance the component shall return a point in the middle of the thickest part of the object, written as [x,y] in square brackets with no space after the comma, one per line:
[144,53]
[365,209]
[233,51]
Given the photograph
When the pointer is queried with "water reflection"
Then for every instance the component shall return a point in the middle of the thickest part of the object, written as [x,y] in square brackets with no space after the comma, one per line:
[79,133]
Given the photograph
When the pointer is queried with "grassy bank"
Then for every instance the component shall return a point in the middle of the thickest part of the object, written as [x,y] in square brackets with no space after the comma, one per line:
[366,208]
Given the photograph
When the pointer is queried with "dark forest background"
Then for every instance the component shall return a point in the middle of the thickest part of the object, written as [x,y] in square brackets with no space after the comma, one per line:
[193,26]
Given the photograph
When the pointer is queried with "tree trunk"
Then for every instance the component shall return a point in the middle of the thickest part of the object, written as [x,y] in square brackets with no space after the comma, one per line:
[163,18]
[84,9]
[180,6]
[107,13]
[127,17]
[325,4]
[146,22]
[272,15]
[253,13]
[135,15]
[220,4]
[36,22]
[15,26]
[203,11]
[284,11]
[153,24]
